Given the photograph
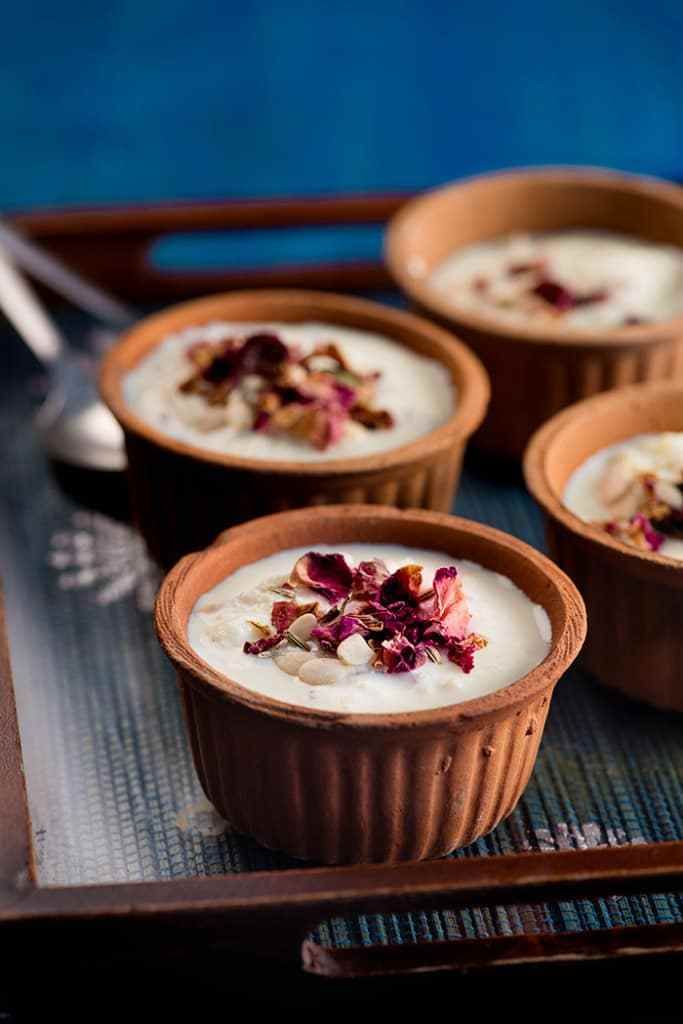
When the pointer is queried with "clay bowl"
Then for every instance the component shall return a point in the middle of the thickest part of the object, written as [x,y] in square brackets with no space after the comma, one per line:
[183,495]
[338,787]
[634,598]
[536,371]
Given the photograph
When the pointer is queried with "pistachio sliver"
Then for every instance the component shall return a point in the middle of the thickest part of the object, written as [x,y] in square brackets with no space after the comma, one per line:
[260,627]
[294,639]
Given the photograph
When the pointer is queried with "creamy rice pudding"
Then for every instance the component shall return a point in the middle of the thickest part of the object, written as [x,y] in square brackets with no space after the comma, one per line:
[369,628]
[634,489]
[307,392]
[580,278]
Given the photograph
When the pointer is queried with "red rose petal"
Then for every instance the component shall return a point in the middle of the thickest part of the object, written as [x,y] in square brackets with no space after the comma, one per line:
[403,585]
[330,575]
[264,644]
[450,605]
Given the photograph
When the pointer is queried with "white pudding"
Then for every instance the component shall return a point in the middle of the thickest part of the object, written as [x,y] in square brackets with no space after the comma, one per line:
[414,393]
[517,634]
[641,476]
[579,278]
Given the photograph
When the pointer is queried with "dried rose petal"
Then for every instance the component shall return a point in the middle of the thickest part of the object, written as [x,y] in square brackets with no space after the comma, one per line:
[332,422]
[368,578]
[330,636]
[450,605]
[563,298]
[286,393]
[637,531]
[264,644]
[318,424]
[372,419]
[344,394]
[554,294]
[261,421]
[284,613]
[653,539]
[402,585]
[222,367]
[262,354]
[393,619]
[399,655]
[330,575]
[461,652]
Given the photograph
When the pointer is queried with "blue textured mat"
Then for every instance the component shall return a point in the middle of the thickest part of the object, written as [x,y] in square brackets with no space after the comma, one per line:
[112,790]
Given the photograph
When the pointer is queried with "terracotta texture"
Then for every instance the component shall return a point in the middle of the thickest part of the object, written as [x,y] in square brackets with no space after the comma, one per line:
[535,371]
[634,598]
[182,496]
[336,787]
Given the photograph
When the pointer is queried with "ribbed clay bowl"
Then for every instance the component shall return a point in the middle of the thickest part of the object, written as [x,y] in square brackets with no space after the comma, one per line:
[536,371]
[338,787]
[183,495]
[634,598]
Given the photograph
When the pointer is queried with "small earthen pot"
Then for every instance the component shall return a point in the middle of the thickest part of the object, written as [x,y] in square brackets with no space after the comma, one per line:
[184,495]
[634,598]
[537,370]
[339,787]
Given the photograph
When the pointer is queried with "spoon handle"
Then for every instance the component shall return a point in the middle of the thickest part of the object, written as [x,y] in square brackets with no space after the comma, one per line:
[47,268]
[21,307]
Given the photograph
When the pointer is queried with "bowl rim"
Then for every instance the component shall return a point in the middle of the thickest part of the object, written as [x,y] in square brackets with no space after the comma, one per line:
[172,632]
[472,396]
[534,466]
[583,176]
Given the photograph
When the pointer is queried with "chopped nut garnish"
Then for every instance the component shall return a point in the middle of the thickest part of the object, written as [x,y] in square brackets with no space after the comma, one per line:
[310,398]
[645,506]
[377,618]
[291,661]
[304,626]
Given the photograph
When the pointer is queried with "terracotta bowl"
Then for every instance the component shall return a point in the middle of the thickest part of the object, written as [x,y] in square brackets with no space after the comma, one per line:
[337,787]
[634,598]
[536,371]
[183,495]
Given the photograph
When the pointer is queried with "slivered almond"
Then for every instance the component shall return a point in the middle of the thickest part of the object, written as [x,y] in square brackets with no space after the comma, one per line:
[355,651]
[321,672]
[302,627]
[291,661]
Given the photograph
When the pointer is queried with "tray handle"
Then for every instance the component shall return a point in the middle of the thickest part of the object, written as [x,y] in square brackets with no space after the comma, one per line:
[112,245]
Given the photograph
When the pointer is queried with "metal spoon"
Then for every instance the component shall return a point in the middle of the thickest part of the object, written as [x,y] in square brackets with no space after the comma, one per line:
[45,267]
[73,424]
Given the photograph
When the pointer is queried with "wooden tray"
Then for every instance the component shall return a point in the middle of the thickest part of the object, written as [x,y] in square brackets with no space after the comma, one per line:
[270,913]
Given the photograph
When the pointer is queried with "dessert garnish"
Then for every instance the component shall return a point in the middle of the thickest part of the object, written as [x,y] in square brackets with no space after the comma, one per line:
[280,391]
[562,298]
[391,622]
[648,506]
[530,286]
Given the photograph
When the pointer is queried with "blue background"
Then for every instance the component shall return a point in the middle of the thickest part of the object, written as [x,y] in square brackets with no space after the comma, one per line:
[144,99]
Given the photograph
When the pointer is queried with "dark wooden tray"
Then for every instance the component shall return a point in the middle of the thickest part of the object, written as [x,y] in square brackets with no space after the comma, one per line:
[270,913]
